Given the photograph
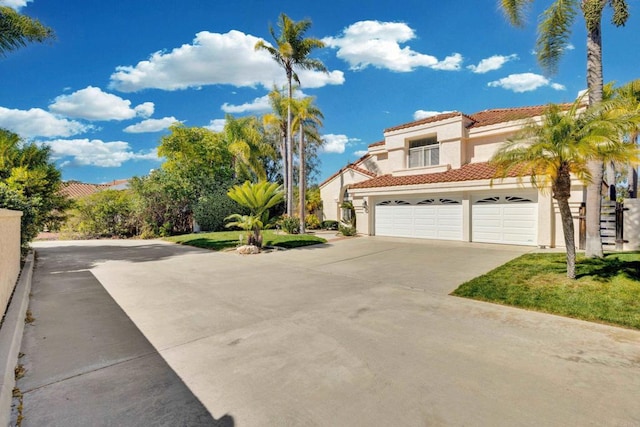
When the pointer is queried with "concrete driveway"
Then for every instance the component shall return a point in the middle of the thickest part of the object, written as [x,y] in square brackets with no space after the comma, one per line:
[362,332]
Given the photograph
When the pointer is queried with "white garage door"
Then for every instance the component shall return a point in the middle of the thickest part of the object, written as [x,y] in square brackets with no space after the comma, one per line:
[507,219]
[433,218]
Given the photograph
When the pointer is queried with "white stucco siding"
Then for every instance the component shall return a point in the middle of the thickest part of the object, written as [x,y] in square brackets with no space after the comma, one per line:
[332,191]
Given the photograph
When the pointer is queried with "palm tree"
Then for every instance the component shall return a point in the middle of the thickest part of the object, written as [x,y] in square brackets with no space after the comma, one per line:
[17,30]
[258,198]
[245,140]
[562,145]
[308,118]
[277,121]
[629,96]
[292,50]
[554,30]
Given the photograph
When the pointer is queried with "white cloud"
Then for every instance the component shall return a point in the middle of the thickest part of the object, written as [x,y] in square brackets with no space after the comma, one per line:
[92,103]
[14,4]
[38,122]
[525,82]
[151,125]
[492,63]
[423,114]
[257,105]
[213,58]
[216,125]
[360,153]
[85,152]
[336,143]
[377,44]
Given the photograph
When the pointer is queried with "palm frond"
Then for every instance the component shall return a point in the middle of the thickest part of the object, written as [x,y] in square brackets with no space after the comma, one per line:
[554,31]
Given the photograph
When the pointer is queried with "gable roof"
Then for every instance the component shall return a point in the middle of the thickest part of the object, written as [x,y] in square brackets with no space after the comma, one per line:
[354,167]
[468,172]
[426,120]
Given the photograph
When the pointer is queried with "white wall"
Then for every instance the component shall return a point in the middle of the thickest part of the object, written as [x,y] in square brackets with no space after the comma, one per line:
[632,224]
[9,254]
[331,192]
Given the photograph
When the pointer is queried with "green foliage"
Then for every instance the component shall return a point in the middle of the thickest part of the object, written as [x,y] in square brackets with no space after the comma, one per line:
[312,222]
[346,230]
[606,290]
[258,198]
[212,208]
[349,214]
[330,224]
[163,203]
[107,213]
[28,174]
[15,200]
[290,224]
[16,30]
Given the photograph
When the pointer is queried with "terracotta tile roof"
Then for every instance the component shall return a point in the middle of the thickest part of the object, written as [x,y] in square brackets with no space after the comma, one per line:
[376,144]
[352,166]
[76,189]
[468,172]
[481,118]
[426,120]
[502,115]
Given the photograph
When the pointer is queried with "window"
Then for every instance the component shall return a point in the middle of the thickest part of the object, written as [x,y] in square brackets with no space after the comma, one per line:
[424,152]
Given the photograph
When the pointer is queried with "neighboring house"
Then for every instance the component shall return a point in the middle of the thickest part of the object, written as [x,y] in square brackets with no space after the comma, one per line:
[77,190]
[431,179]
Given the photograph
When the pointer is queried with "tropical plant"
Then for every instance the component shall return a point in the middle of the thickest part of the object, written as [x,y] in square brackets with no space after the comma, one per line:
[16,30]
[246,142]
[290,224]
[258,198]
[312,221]
[292,51]
[308,118]
[554,31]
[562,145]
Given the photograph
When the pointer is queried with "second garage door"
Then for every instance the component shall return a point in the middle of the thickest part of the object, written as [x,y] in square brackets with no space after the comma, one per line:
[509,219]
[429,218]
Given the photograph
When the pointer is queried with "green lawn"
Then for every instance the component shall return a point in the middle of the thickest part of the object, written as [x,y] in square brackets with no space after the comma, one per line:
[605,290]
[230,239]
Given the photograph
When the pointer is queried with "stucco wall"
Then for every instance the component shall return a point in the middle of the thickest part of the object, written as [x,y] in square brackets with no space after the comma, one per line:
[632,224]
[9,254]
[331,193]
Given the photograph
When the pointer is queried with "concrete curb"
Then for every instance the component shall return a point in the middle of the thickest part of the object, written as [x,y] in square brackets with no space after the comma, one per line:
[11,338]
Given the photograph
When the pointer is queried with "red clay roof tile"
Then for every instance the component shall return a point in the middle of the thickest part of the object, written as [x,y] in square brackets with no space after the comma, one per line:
[468,172]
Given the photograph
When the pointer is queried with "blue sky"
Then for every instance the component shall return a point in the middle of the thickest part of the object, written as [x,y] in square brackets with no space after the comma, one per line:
[119,73]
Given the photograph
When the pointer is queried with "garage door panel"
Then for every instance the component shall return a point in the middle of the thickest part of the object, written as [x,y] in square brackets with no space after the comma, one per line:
[421,221]
[497,220]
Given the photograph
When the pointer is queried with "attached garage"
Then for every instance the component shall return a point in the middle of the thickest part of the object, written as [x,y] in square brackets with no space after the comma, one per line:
[509,219]
[427,218]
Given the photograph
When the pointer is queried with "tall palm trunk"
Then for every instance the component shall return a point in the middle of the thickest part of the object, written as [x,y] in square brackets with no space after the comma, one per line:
[594,83]
[632,173]
[302,185]
[562,192]
[289,148]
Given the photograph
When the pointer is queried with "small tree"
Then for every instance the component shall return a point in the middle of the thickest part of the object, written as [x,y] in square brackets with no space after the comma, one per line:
[258,198]
[562,144]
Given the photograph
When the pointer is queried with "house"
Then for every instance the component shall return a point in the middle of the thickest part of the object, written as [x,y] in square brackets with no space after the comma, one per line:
[77,189]
[431,179]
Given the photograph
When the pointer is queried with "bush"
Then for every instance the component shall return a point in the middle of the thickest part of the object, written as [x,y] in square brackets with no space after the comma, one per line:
[211,210]
[346,230]
[330,224]
[290,224]
[312,222]
[107,213]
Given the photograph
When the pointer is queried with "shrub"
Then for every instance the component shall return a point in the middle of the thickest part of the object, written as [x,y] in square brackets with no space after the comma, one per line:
[14,200]
[211,210]
[312,222]
[107,213]
[290,224]
[330,224]
[346,230]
